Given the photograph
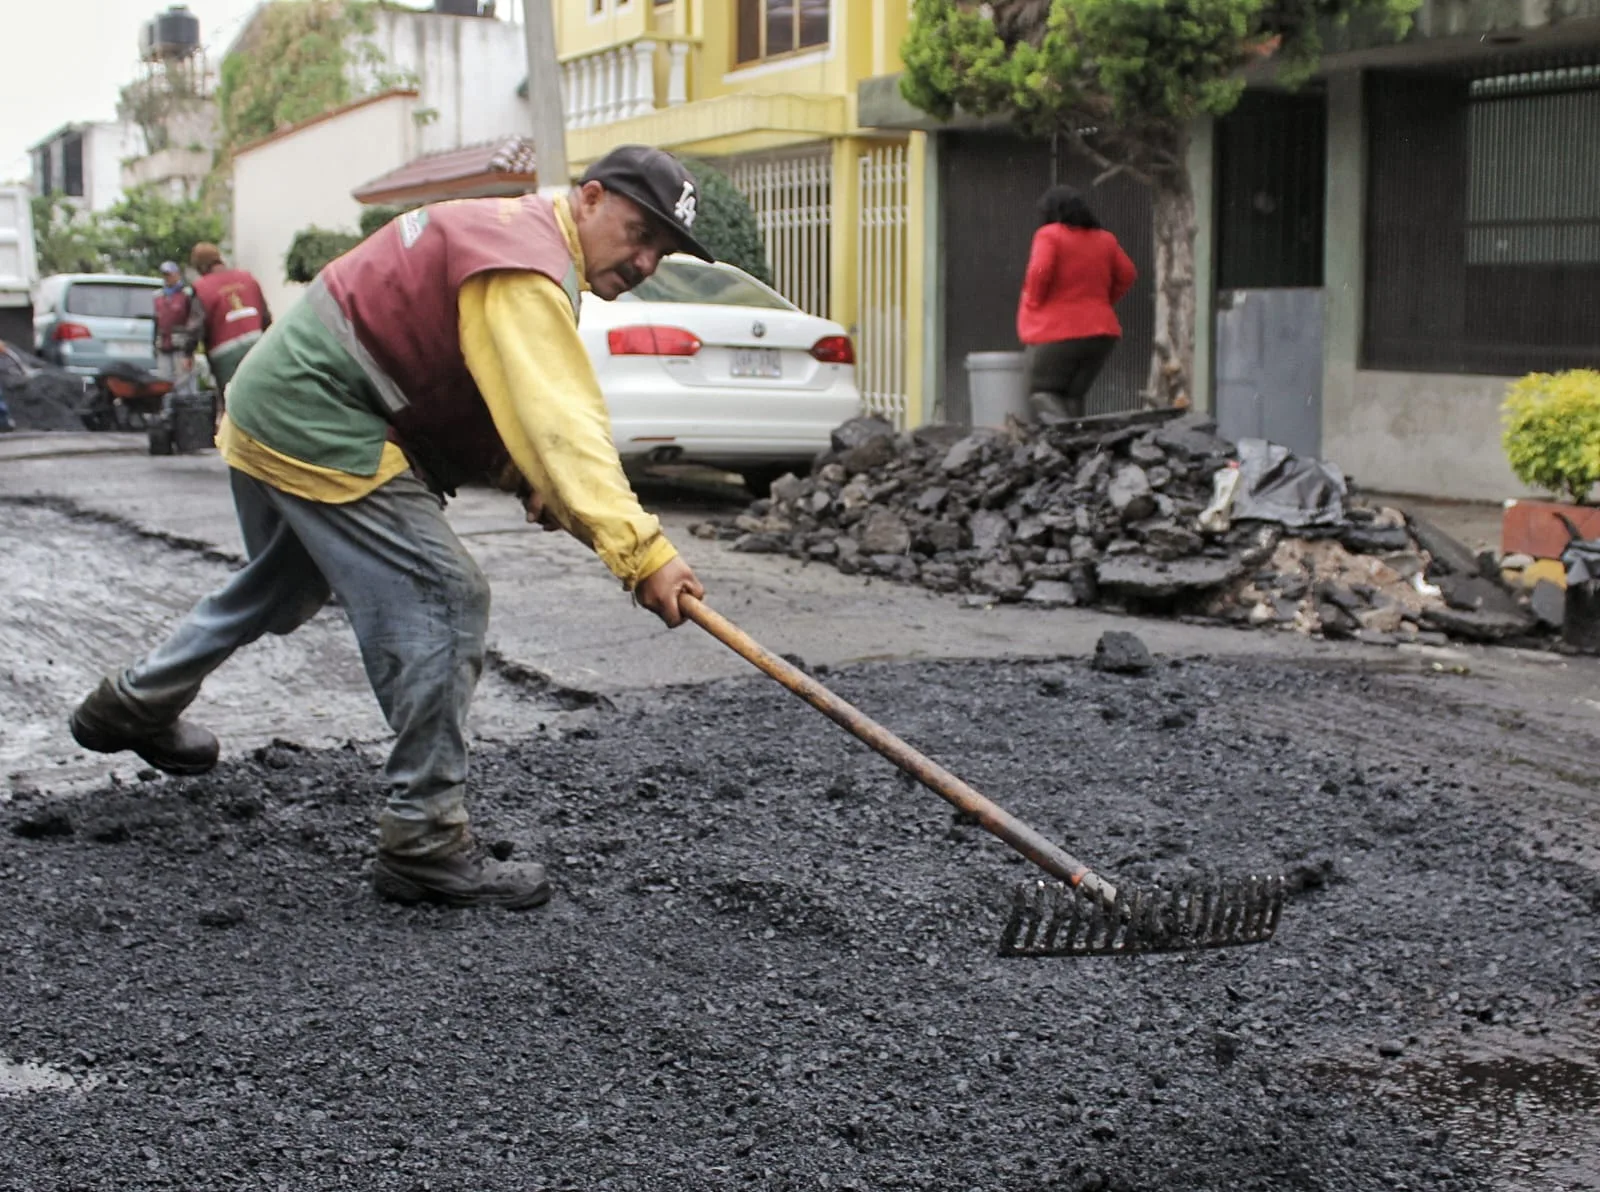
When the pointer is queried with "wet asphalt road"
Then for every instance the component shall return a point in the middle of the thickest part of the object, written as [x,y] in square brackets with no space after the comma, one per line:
[770,961]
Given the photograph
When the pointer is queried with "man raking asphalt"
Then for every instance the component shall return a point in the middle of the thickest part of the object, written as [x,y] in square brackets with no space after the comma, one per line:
[442,351]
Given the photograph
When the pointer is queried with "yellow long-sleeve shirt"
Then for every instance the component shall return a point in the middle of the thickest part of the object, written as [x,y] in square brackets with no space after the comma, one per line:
[520,341]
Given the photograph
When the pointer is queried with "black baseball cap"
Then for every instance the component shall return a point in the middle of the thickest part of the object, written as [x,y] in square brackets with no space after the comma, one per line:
[656,181]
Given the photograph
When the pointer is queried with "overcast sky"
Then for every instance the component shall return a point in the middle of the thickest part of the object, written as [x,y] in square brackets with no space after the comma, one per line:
[65,61]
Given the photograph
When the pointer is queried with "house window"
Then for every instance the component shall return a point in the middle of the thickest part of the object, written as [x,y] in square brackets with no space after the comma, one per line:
[1483,224]
[772,28]
[72,166]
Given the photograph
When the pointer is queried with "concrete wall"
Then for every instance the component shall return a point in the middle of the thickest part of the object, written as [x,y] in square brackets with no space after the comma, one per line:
[305,177]
[1417,433]
[105,146]
[176,173]
[466,70]
[1423,434]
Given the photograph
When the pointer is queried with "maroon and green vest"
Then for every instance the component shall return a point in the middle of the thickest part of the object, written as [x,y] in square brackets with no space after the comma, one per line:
[392,303]
[172,312]
[233,303]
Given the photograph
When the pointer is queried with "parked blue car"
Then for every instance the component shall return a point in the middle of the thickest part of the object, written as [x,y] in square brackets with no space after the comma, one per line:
[85,321]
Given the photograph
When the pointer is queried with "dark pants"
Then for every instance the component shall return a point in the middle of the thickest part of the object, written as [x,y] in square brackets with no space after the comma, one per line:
[420,610]
[1060,373]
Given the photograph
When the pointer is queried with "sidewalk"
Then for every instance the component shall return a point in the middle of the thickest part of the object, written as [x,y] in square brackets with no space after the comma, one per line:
[1475,524]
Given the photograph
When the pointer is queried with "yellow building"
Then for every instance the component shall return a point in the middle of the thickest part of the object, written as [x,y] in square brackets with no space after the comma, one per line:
[766,90]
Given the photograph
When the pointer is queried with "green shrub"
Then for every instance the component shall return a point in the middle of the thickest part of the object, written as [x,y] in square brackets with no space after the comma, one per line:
[375,217]
[1551,431]
[726,224]
[313,248]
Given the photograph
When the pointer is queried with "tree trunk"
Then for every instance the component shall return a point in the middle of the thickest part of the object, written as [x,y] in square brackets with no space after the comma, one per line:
[1172,358]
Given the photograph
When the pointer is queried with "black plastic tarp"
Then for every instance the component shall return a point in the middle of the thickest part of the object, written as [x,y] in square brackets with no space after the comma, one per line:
[1276,485]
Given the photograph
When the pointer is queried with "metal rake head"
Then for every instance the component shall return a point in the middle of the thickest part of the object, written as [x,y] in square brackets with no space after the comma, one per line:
[1055,919]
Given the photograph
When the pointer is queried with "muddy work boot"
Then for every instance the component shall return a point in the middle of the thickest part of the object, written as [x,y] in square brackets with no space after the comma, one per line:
[467,877]
[105,724]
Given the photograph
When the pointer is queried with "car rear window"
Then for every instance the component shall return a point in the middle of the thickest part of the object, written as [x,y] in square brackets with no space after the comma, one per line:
[681,281]
[111,300]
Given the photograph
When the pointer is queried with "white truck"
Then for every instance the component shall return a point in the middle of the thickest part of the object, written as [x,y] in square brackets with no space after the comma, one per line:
[19,273]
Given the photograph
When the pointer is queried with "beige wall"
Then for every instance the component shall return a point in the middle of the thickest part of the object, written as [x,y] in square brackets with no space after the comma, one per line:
[1424,434]
[304,178]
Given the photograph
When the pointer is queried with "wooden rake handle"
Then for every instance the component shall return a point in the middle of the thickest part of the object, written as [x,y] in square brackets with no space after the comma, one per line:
[935,777]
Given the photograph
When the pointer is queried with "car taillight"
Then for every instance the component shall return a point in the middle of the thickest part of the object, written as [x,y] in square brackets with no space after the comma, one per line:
[652,341]
[70,331]
[834,349]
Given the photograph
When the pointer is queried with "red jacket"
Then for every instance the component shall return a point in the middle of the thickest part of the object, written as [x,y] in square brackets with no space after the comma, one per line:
[1074,277]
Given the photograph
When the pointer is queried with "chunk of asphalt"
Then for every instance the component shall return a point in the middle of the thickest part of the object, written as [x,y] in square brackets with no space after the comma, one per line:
[1121,653]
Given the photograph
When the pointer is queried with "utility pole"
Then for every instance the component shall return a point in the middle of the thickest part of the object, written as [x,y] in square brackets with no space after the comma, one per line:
[549,125]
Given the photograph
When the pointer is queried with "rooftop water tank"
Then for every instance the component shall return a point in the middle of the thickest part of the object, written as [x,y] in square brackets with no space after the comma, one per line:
[171,34]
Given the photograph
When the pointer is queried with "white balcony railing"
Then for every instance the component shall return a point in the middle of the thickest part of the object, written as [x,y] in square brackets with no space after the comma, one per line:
[620,81]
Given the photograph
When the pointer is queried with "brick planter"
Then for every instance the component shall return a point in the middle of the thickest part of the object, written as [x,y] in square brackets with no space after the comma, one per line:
[1532,527]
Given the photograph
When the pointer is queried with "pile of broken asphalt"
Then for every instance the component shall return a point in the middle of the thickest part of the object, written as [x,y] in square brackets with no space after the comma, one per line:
[1106,512]
[38,395]
[770,962]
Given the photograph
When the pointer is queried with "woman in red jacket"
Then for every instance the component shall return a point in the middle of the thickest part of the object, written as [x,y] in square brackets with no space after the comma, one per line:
[1076,273]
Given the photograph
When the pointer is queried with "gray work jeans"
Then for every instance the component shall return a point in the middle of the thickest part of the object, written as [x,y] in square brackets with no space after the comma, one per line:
[420,609]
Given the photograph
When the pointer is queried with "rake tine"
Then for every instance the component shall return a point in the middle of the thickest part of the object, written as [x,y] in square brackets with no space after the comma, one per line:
[1059,917]
[1137,921]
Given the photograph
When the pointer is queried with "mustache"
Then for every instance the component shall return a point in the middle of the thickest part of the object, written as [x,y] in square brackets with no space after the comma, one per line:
[629,274]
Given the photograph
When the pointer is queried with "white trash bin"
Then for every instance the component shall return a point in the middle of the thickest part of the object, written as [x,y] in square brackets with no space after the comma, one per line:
[997,383]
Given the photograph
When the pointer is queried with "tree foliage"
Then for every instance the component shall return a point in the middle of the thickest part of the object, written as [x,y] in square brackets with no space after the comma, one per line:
[1120,78]
[297,65]
[726,224]
[314,247]
[66,239]
[303,58]
[143,229]
[378,214]
[154,103]
[1551,432]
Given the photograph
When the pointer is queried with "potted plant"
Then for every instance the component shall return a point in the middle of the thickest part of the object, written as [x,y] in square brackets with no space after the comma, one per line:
[1551,438]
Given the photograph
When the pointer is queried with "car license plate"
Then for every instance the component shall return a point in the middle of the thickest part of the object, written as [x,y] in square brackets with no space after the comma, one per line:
[756,362]
[127,347]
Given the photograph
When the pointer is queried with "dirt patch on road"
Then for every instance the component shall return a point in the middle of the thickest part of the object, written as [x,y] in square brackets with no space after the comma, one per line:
[770,961]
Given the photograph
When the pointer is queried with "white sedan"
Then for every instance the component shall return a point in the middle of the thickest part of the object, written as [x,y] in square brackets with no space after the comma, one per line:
[705,364]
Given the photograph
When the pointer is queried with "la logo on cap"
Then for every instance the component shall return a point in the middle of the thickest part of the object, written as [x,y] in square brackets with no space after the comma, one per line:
[685,207]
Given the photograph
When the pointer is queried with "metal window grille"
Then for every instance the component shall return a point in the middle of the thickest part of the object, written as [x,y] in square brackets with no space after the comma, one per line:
[1271,184]
[792,196]
[881,282]
[1483,236]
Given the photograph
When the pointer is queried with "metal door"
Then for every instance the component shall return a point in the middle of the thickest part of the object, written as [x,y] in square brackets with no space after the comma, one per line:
[1271,170]
[1269,367]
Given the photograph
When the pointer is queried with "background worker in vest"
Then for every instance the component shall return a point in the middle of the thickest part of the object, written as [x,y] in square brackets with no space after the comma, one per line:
[442,350]
[233,313]
[177,324]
